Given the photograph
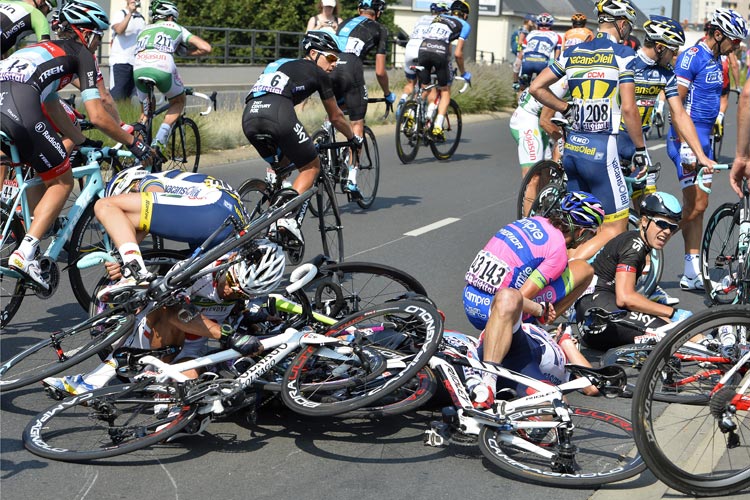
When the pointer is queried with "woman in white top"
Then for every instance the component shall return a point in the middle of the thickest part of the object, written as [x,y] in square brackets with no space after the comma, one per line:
[328,16]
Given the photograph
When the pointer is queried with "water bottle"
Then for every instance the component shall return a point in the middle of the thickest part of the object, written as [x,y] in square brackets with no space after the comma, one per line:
[478,391]
[727,336]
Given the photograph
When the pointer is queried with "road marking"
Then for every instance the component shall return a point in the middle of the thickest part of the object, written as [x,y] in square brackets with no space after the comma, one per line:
[658,146]
[430,227]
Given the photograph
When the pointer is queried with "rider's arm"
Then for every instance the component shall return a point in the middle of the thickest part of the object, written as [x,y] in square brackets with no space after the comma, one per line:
[630,114]
[60,118]
[198,46]
[540,90]
[629,299]
[685,128]
[459,55]
[381,74]
[40,25]
[200,325]
[545,122]
[741,166]
[734,69]
[337,118]
[101,119]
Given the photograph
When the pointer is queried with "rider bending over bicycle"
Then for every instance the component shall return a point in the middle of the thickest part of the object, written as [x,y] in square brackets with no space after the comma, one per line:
[617,268]
[271,124]
[214,299]
[529,255]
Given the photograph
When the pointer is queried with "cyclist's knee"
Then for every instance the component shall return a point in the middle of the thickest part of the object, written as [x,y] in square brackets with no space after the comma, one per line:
[508,302]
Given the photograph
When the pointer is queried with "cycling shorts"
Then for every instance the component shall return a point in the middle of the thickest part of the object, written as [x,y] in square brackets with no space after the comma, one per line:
[614,334]
[160,68]
[188,219]
[271,125]
[530,69]
[34,135]
[411,56]
[349,86]
[593,165]
[193,346]
[531,140]
[627,149]
[478,304]
[705,131]
[435,56]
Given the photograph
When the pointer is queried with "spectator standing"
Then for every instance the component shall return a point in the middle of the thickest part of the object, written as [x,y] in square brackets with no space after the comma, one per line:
[327,17]
[126,25]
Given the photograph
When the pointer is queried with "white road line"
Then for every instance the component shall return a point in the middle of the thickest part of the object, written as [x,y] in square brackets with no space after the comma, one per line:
[658,146]
[430,227]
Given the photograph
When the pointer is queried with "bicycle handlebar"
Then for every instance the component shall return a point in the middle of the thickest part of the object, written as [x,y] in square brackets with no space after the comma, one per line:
[210,98]
[388,105]
[699,177]
[94,154]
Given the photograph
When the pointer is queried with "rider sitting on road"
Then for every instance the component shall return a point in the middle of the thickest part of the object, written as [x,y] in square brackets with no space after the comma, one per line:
[617,268]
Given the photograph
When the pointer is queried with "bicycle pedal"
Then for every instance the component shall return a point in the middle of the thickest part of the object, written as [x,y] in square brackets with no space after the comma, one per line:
[353,195]
[437,435]
[55,393]
[51,274]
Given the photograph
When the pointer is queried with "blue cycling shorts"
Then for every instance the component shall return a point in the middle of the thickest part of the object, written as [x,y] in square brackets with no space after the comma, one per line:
[705,131]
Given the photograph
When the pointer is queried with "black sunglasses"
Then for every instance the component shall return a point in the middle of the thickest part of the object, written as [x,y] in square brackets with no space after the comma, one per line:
[664,225]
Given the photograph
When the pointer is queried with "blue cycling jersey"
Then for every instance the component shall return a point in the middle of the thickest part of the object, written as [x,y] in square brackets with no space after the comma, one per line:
[650,80]
[702,74]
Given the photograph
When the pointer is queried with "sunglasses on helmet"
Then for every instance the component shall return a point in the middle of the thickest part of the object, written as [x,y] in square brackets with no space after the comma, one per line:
[233,285]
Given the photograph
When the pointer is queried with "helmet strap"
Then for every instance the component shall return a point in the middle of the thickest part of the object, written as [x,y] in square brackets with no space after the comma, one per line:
[644,233]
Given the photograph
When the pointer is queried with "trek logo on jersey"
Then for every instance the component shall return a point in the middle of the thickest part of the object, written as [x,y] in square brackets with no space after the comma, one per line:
[52,71]
[600,58]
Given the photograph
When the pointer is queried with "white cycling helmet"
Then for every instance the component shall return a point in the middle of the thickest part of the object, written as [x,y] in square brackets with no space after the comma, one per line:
[730,23]
[613,9]
[260,272]
[125,181]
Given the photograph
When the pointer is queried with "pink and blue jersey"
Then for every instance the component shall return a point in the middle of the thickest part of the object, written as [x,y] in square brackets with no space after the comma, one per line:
[527,249]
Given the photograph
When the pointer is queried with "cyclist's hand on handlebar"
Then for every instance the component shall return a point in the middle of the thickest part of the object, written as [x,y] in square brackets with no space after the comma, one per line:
[390,98]
[467,76]
[356,141]
[679,315]
[548,313]
[641,162]
[140,150]
[570,113]
[113,270]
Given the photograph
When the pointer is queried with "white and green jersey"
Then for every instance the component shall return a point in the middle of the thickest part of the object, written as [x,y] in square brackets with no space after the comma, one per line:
[528,103]
[163,36]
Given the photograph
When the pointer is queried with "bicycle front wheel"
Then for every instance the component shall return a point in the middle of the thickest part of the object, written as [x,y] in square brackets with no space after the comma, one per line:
[108,422]
[408,134]
[329,221]
[12,290]
[61,350]
[719,253]
[368,176]
[414,328]
[699,450]
[541,189]
[603,450]
[183,146]
[452,128]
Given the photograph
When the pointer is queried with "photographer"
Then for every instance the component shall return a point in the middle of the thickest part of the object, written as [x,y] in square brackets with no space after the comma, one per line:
[126,26]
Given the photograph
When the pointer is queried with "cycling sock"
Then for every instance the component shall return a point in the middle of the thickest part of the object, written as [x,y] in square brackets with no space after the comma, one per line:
[28,246]
[439,121]
[692,265]
[163,134]
[403,97]
[352,174]
[490,380]
[431,110]
[102,374]
[131,252]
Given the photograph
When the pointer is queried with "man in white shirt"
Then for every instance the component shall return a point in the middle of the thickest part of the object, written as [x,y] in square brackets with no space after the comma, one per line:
[126,26]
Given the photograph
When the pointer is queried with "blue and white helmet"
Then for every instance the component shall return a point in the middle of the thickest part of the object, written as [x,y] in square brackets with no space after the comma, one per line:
[730,23]
[584,209]
[545,20]
[84,14]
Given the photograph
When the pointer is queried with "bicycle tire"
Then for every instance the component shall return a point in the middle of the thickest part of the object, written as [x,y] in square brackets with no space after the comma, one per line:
[255,197]
[604,450]
[76,344]
[541,175]
[368,176]
[342,289]
[647,282]
[89,236]
[107,422]
[452,128]
[720,245]
[721,469]
[408,132]
[329,221]
[12,290]
[321,136]
[183,148]
[419,328]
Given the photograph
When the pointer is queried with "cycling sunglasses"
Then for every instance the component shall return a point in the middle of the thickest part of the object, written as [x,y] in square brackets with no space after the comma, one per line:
[233,285]
[330,56]
[665,224]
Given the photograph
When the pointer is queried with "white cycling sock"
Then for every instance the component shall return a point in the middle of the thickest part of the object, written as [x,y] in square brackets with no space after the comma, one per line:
[28,246]
[353,174]
[102,374]
[404,96]
[163,134]
[131,252]
[431,110]
[490,380]
[439,121]
[692,265]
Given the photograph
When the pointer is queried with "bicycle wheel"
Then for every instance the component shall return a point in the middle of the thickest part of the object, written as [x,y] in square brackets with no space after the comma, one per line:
[452,127]
[183,149]
[541,190]
[719,249]
[255,196]
[326,157]
[89,236]
[415,327]
[329,221]
[368,176]
[408,133]
[12,290]
[699,450]
[25,365]
[602,442]
[345,288]
[647,282]
[629,357]
[108,422]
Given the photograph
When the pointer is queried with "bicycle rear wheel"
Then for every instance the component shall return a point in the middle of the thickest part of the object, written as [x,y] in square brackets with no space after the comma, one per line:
[408,132]
[61,350]
[452,128]
[414,327]
[541,189]
[368,176]
[603,453]
[719,249]
[12,290]
[255,196]
[699,450]
[183,146]
[108,422]
[329,221]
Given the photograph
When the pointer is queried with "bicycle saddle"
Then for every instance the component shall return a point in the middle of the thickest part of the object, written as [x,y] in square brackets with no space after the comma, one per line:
[610,380]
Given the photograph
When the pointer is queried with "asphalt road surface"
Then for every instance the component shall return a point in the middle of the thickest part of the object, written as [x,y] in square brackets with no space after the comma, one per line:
[430,218]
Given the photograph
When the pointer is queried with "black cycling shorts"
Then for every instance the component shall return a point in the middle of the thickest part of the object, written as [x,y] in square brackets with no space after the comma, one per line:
[435,61]
[274,116]
[38,143]
[349,86]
